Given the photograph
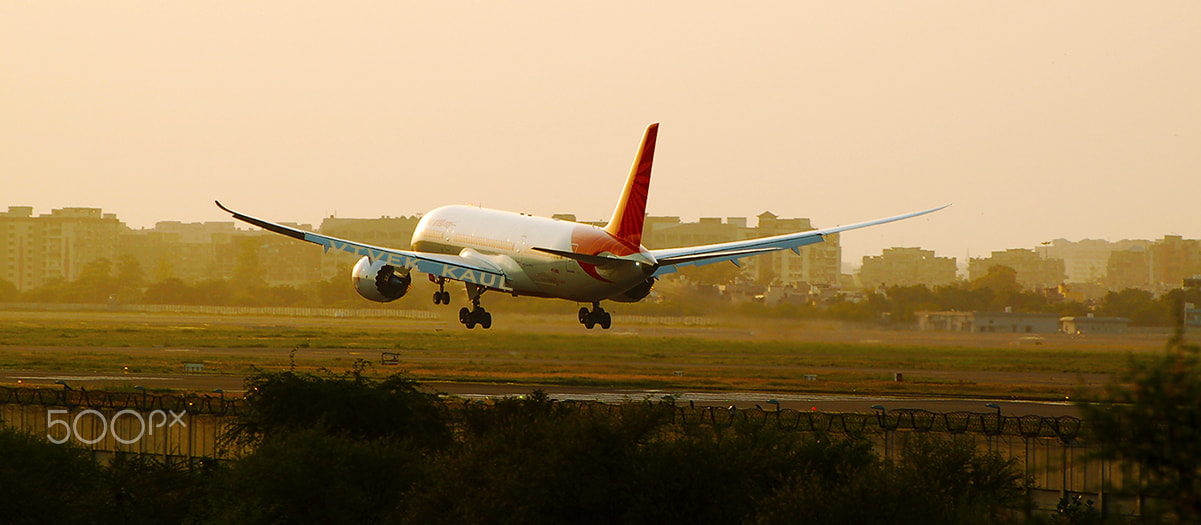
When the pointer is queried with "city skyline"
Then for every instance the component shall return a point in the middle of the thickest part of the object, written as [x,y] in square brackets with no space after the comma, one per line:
[750,222]
[1030,118]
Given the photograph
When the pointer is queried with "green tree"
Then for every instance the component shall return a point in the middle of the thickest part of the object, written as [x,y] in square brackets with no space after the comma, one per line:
[249,271]
[169,291]
[1003,283]
[934,481]
[1152,417]
[142,489]
[1137,305]
[164,269]
[46,483]
[311,476]
[348,404]
[8,291]
[963,298]
[905,300]
[95,283]
[130,276]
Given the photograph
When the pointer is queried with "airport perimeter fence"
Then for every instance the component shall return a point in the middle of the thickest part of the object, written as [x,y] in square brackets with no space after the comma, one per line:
[175,427]
[294,311]
[1053,451]
[279,311]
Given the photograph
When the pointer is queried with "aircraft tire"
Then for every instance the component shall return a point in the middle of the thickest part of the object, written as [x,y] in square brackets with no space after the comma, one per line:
[486,320]
[584,314]
[464,315]
[437,298]
[606,320]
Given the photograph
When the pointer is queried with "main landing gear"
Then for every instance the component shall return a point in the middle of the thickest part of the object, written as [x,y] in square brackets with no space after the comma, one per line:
[477,314]
[441,296]
[597,316]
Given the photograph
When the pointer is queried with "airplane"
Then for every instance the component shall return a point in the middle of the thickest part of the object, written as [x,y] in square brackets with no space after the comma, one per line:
[525,255]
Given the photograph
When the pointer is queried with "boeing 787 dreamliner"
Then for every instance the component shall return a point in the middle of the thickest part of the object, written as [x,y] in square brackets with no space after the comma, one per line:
[525,255]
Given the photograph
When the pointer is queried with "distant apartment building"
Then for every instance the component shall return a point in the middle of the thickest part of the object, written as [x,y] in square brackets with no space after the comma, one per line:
[906,267]
[1033,271]
[55,246]
[1084,261]
[20,248]
[1174,259]
[1153,266]
[219,250]
[1128,269]
[173,249]
[816,264]
[58,246]
[388,232]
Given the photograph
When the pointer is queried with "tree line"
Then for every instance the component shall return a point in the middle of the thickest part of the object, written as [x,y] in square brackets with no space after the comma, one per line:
[102,282]
[351,448]
[326,448]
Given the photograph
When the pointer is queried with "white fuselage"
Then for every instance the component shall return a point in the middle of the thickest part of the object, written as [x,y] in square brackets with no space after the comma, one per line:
[507,240]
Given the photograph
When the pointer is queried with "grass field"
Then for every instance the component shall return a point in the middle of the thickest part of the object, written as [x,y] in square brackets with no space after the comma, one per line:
[732,354]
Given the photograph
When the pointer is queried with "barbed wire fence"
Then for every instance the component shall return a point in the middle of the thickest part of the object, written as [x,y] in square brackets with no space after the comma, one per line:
[186,426]
[1064,428]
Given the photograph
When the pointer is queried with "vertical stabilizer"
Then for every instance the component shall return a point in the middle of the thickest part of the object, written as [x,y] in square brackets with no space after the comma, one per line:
[627,220]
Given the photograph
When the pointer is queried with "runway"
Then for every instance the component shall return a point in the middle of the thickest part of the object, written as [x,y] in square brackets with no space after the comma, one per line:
[208,383]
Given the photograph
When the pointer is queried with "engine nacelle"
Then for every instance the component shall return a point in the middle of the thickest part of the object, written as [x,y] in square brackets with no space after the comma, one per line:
[635,294]
[378,281]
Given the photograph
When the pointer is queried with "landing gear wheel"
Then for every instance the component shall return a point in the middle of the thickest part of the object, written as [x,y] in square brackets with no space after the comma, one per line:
[596,316]
[475,316]
[441,296]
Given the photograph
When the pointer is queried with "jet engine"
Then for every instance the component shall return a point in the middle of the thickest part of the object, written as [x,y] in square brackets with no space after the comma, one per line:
[378,281]
[637,293]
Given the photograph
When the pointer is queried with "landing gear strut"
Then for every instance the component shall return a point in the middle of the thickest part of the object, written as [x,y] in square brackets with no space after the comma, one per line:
[441,296]
[477,314]
[597,316]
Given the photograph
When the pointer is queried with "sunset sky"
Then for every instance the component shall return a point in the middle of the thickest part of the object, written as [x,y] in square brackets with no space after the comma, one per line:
[1038,120]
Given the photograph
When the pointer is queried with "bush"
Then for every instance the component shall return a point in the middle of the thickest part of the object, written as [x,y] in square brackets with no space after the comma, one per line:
[41,482]
[350,405]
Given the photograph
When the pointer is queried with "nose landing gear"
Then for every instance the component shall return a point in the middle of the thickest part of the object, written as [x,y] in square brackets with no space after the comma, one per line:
[597,316]
[441,296]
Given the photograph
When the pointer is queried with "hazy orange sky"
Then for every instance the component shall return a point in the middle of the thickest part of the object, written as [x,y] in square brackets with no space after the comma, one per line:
[1038,120]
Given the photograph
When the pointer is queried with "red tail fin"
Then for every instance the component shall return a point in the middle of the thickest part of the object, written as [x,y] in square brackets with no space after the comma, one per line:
[627,220]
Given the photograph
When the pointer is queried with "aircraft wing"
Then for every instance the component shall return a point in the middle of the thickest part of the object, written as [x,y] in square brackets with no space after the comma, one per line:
[671,259]
[440,265]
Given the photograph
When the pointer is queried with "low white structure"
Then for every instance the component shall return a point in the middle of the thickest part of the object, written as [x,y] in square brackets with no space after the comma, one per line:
[988,322]
[1093,325]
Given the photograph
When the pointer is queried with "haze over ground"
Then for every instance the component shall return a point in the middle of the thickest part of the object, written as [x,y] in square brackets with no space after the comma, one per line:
[1069,119]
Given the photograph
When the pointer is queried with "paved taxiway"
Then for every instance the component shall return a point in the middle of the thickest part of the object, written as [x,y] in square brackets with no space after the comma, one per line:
[794,401]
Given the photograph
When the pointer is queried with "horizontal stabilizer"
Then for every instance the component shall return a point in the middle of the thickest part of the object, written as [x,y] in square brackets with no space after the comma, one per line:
[595,260]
